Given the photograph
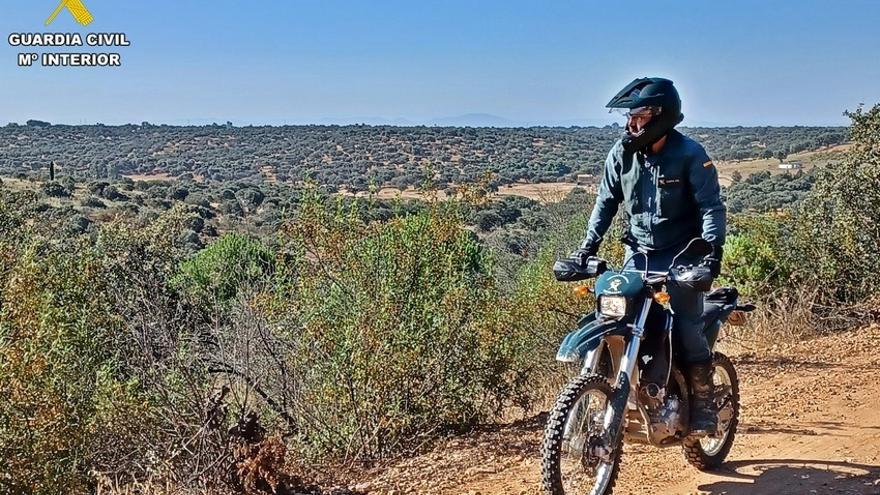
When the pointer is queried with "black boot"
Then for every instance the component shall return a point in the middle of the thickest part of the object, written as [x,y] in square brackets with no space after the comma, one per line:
[704,416]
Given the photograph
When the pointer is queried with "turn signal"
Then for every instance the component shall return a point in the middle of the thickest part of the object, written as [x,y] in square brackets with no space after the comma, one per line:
[581,290]
[661,297]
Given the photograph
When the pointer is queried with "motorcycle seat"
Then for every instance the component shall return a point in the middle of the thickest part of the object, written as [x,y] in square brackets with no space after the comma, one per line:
[718,302]
[723,295]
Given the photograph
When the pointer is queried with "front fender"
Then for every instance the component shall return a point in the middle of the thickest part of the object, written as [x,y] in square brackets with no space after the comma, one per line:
[589,333]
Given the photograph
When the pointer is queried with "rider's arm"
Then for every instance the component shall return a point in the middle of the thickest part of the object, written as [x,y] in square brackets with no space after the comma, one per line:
[607,201]
[703,178]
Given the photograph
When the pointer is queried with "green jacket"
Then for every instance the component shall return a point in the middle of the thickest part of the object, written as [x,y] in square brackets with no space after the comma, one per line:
[669,198]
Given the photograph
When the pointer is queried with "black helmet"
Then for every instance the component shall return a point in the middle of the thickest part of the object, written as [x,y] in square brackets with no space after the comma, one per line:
[658,94]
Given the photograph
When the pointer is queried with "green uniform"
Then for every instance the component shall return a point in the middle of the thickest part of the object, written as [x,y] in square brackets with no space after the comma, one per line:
[669,197]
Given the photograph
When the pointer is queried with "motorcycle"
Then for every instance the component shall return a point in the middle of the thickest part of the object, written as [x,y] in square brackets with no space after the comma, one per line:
[630,387]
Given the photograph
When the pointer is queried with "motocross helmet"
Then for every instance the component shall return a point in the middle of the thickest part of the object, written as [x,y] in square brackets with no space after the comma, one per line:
[660,96]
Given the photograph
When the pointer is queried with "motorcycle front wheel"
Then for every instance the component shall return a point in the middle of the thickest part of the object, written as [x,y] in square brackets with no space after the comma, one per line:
[576,456]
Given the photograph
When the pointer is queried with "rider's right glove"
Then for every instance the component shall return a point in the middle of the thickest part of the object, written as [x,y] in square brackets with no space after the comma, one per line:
[586,251]
[713,260]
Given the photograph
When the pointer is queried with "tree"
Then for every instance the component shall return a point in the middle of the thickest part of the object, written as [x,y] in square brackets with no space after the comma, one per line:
[735,177]
[836,231]
[113,194]
[781,156]
[55,190]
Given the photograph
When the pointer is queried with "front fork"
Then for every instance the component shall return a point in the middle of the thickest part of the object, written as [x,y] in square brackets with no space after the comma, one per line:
[615,411]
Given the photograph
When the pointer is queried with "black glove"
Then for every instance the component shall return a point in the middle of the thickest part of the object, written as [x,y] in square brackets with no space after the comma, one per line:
[586,251]
[713,260]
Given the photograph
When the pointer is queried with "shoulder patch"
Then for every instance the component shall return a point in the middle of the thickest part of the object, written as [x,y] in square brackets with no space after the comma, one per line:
[708,164]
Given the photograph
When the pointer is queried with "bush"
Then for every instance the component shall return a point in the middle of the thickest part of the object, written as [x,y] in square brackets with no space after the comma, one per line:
[93,202]
[95,377]
[836,229]
[55,189]
[113,194]
[216,273]
[382,333]
[755,254]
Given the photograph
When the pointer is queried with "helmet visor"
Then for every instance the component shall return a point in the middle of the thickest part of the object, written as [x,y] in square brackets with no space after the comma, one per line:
[638,112]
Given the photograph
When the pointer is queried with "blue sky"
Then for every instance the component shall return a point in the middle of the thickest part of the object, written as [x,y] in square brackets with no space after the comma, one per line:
[545,63]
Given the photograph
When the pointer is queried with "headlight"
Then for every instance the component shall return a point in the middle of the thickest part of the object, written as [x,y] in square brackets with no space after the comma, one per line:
[612,305]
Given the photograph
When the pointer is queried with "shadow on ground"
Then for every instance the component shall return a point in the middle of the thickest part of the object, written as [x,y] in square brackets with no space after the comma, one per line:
[795,477]
[806,428]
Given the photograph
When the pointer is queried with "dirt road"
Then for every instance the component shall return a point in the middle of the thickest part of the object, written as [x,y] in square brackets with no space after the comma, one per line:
[810,425]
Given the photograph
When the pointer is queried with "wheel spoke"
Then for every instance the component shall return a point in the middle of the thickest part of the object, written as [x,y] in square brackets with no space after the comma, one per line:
[586,422]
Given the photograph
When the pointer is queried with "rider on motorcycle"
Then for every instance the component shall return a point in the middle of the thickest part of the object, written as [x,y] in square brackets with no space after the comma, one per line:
[670,192]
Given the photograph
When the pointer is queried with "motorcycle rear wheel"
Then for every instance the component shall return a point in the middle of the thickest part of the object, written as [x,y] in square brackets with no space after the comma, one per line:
[575,421]
[708,453]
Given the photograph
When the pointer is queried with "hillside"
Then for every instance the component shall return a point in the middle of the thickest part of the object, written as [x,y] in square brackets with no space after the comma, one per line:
[200,336]
[354,157]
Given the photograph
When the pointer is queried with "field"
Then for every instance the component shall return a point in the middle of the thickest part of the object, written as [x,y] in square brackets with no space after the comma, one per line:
[544,193]
[807,159]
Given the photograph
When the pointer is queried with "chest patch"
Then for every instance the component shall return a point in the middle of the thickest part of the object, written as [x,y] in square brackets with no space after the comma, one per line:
[669,181]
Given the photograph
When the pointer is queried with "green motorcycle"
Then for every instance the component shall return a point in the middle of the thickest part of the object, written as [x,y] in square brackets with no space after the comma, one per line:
[630,387]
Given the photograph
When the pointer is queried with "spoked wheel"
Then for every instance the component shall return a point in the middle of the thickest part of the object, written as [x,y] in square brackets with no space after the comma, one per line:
[576,456]
[709,452]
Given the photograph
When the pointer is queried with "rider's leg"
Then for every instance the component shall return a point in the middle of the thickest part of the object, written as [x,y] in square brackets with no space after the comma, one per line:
[688,338]
[695,353]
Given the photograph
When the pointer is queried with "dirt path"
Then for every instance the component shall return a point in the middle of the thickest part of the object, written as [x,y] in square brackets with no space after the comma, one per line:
[810,425]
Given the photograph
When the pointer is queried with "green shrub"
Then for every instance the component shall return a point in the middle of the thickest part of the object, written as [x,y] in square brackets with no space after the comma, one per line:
[755,254]
[390,331]
[216,273]
[836,230]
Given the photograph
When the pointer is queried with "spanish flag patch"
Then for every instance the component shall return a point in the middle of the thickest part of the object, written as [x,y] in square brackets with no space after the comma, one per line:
[708,164]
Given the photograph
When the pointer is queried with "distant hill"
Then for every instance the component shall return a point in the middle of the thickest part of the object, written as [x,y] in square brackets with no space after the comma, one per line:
[473,120]
[355,156]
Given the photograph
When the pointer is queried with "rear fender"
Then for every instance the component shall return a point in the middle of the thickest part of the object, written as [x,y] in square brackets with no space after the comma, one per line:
[590,332]
[714,327]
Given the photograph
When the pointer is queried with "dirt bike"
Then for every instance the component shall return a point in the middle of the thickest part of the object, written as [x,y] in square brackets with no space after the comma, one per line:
[630,386]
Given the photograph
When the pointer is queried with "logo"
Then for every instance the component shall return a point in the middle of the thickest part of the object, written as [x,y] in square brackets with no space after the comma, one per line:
[76,8]
[614,285]
[54,46]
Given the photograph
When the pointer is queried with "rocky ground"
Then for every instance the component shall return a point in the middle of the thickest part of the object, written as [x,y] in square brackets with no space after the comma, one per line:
[810,424]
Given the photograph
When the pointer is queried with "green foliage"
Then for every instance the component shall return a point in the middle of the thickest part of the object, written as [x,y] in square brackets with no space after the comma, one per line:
[763,191]
[352,157]
[55,189]
[755,255]
[57,360]
[836,230]
[827,240]
[406,330]
[218,272]
[76,358]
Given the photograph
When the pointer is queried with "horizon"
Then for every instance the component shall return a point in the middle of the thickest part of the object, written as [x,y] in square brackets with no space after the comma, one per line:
[392,63]
[235,125]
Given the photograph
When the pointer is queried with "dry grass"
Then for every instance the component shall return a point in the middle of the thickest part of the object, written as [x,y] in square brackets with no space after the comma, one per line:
[808,159]
[545,192]
[158,177]
[394,193]
[782,320]
[18,184]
